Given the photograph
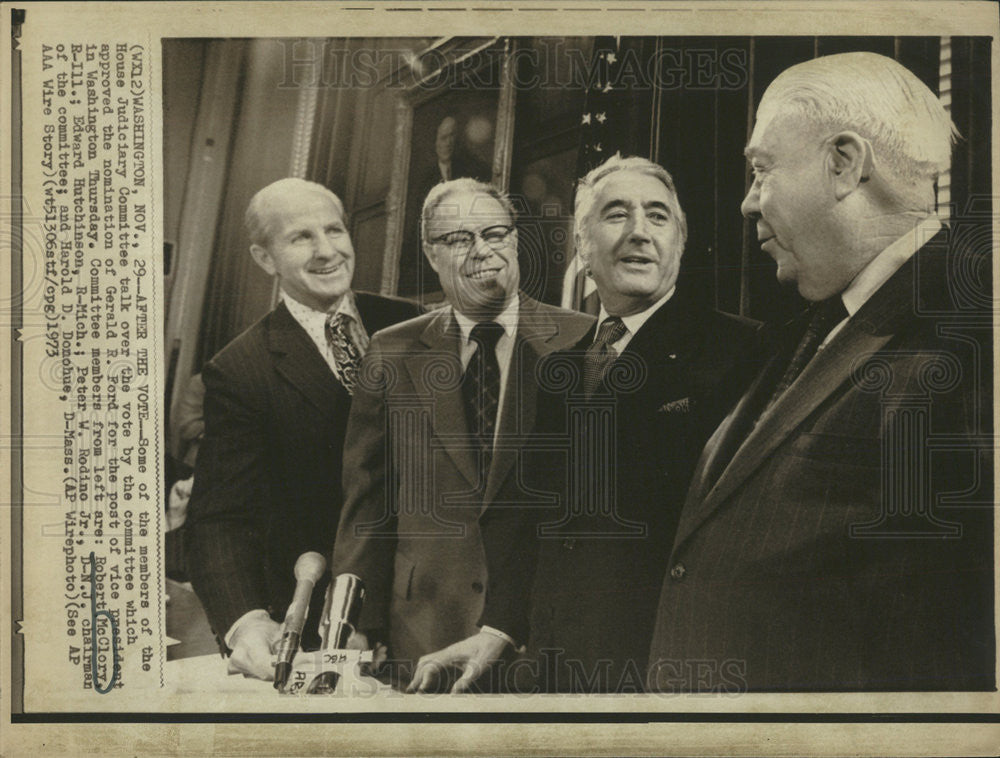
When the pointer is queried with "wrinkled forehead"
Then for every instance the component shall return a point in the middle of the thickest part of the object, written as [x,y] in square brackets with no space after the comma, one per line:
[466,210]
[633,187]
[297,203]
[779,131]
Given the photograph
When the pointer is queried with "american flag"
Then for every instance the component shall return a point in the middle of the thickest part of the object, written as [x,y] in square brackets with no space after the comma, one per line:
[603,132]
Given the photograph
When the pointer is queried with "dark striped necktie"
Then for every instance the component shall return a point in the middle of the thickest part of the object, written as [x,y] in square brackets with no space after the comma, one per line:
[825,315]
[600,354]
[481,384]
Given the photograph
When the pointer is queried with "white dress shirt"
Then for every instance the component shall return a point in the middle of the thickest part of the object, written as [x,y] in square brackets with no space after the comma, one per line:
[314,322]
[632,323]
[504,350]
[883,266]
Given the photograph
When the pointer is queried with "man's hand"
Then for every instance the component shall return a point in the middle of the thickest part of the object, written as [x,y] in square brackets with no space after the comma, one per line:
[473,656]
[177,503]
[369,641]
[252,643]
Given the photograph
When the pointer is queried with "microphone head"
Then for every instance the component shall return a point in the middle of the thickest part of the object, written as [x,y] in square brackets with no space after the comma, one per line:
[309,567]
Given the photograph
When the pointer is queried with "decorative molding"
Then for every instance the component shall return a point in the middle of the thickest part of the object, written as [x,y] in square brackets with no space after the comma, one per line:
[454,50]
[396,202]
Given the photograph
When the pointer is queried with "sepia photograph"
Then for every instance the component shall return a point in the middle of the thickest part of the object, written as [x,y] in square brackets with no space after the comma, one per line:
[609,546]
[609,372]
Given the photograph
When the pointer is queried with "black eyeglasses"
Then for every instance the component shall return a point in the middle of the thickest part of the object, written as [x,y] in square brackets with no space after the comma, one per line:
[461,240]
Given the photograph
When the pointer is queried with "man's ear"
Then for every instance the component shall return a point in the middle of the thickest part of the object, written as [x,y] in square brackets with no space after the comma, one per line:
[582,249]
[850,162]
[262,256]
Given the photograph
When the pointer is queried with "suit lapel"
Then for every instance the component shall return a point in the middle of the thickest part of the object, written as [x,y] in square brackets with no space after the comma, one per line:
[517,418]
[300,363]
[537,334]
[441,356]
[665,343]
[868,331]
[722,445]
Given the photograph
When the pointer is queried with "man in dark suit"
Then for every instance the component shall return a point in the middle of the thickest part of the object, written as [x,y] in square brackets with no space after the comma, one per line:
[435,432]
[838,531]
[267,480]
[622,417]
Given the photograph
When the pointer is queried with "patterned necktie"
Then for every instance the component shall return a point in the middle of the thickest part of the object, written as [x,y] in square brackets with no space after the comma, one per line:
[600,355]
[825,315]
[346,353]
[481,384]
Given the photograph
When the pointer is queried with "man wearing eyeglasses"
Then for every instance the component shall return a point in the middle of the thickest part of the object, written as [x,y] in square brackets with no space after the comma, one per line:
[627,411]
[444,406]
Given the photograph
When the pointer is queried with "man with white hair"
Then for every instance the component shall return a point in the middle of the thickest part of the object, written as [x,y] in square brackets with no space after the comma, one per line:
[622,416]
[267,480]
[838,531]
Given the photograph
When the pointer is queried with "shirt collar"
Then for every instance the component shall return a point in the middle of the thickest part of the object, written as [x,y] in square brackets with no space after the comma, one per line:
[304,314]
[887,263]
[634,322]
[507,319]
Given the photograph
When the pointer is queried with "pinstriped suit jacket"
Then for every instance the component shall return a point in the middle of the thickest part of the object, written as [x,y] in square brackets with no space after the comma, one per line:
[267,480]
[846,544]
[413,502]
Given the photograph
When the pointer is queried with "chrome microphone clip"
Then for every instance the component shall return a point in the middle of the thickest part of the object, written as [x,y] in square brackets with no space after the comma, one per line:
[344,599]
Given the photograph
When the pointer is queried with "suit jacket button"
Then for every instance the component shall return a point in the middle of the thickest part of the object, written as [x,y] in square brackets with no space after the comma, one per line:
[678,572]
[477,587]
[569,543]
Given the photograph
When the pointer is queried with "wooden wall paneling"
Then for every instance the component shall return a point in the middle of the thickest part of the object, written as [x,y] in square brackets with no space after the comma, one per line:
[732,96]
[922,55]
[395,202]
[368,236]
[686,80]
[183,68]
[376,169]
[872,44]
[355,158]
[368,175]
[637,83]
[504,134]
[762,297]
[240,293]
[305,112]
[552,81]
[550,100]
[971,186]
[204,184]
[331,118]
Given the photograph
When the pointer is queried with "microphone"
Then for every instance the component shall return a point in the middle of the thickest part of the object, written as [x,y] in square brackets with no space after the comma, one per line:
[341,611]
[308,569]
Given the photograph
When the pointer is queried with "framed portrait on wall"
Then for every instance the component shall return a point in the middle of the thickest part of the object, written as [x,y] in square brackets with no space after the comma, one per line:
[454,120]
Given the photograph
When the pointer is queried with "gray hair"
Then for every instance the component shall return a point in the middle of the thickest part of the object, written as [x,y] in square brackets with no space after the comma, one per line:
[257,220]
[440,191]
[878,98]
[586,188]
